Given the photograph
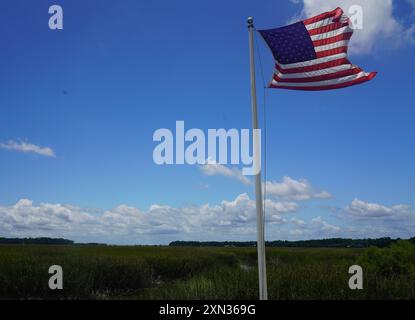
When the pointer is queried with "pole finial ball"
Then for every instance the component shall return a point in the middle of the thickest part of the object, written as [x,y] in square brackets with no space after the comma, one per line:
[250,21]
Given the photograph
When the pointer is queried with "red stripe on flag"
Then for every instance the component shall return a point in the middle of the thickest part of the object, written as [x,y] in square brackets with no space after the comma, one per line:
[331,52]
[335,13]
[328,28]
[329,76]
[329,87]
[340,37]
[314,67]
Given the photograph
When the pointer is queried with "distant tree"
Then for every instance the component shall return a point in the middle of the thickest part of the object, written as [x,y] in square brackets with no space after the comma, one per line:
[51,241]
[320,243]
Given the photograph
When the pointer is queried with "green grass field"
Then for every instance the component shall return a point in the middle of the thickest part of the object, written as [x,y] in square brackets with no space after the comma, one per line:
[112,272]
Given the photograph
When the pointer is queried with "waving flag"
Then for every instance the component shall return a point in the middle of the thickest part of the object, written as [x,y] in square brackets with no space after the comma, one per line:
[312,54]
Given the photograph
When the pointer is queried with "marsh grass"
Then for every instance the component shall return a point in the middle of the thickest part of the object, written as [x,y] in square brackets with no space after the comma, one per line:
[113,272]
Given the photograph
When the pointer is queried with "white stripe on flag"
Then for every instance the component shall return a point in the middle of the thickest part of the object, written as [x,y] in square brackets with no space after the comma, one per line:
[332,34]
[315,73]
[313,62]
[319,24]
[321,83]
[330,46]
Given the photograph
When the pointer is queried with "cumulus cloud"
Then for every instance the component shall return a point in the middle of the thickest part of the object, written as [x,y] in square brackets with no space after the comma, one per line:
[297,190]
[212,168]
[227,220]
[365,210]
[379,22]
[324,225]
[235,217]
[27,147]
[26,218]
[298,222]
[316,228]
[361,219]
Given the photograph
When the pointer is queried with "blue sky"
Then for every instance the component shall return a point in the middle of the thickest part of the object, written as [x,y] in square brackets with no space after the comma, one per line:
[94,93]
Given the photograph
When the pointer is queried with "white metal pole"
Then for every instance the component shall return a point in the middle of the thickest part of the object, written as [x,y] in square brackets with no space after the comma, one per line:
[263,292]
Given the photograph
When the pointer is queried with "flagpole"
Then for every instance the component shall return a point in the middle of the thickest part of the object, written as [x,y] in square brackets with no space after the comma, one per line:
[262,272]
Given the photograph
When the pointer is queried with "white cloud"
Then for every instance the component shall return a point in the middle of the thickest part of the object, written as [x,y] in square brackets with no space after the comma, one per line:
[379,23]
[366,210]
[298,222]
[409,34]
[291,189]
[45,218]
[316,228]
[324,226]
[212,168]
[228,219]
[23,146]
[365,219]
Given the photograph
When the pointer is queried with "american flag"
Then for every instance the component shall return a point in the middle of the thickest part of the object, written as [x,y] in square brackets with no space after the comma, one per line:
[312,54]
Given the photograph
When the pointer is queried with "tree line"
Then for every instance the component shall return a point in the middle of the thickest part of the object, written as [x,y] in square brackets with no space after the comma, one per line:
[43,240]
[321,243]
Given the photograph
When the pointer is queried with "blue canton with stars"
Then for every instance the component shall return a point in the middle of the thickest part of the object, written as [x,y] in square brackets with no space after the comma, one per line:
[290,44]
